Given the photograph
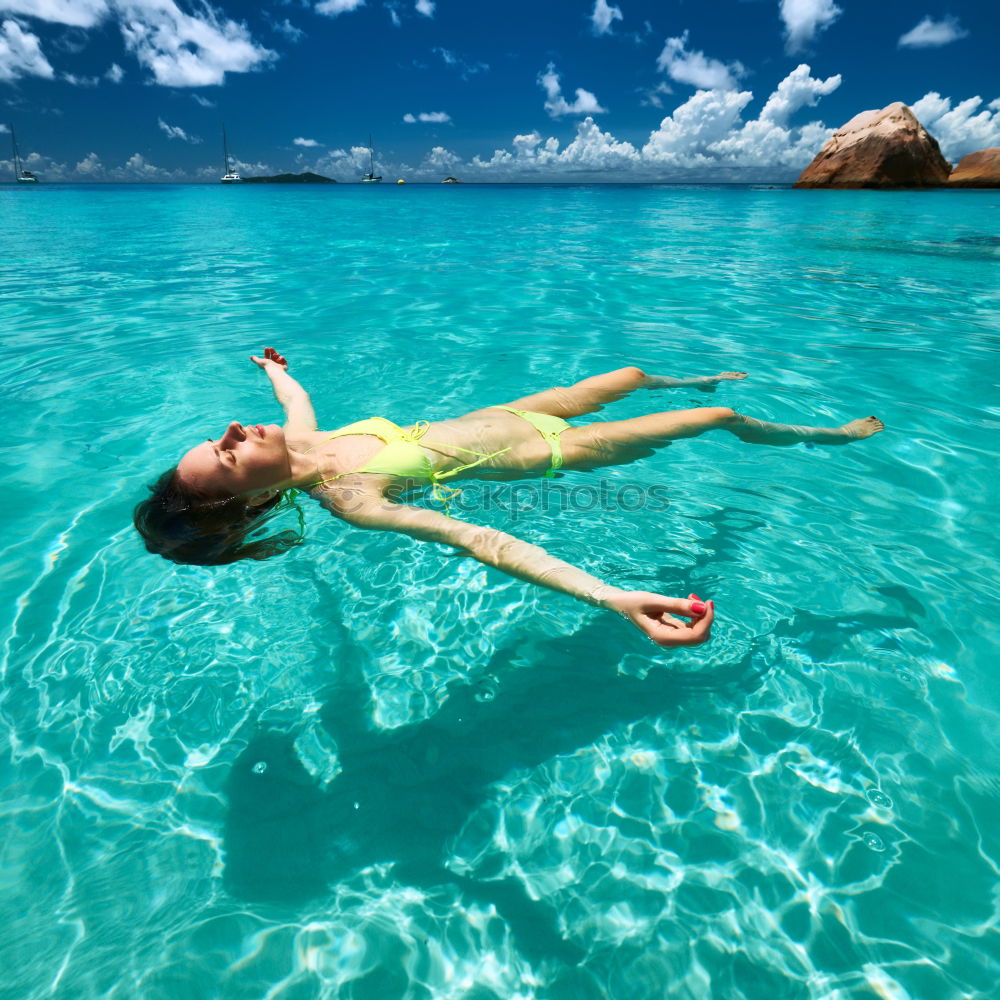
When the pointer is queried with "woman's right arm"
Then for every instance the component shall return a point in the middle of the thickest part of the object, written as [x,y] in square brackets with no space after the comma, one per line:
[299,414]
[652,613]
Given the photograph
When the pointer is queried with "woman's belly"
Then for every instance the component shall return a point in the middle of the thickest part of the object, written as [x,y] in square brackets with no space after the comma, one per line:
[517,448]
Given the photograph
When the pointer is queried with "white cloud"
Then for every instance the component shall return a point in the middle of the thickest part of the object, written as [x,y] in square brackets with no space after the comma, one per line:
[438,117]
[705,138]
[75,13]
[183,50]
[651,98]
[465,68]
[961,129]
[90,167]
[81,81]
[21,54]
[604,16]
[440,158]
[557,105]
[696,68]
[425,7]
[336,7]
[307,143]
[115,73]
[685,136]
[180,49]
[136,168]
[804,19]
[289,30]
[203,101]
[176,132]
[932,34]
[797,90]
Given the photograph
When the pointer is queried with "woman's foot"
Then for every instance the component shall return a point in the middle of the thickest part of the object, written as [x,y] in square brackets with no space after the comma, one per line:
[863,427]
[708,382]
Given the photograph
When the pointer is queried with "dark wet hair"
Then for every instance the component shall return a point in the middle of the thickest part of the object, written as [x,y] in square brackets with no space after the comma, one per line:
[184,527]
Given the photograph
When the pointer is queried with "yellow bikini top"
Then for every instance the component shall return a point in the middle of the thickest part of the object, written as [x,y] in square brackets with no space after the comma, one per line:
[403,455]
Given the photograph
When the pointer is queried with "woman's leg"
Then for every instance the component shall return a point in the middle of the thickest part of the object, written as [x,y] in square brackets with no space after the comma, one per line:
[620,441]
[592,394]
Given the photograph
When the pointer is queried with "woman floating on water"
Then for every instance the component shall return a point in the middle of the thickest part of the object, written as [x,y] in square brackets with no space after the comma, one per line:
[204,510]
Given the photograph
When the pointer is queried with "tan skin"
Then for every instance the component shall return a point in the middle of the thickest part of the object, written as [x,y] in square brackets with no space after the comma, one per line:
[254,461]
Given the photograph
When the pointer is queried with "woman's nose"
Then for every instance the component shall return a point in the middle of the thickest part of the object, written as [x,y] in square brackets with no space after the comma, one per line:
[233,435]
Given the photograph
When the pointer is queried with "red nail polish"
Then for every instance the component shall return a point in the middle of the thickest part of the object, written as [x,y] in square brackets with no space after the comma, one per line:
[698,608]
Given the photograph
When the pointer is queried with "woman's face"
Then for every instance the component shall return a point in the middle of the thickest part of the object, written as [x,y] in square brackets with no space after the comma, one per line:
[243,460]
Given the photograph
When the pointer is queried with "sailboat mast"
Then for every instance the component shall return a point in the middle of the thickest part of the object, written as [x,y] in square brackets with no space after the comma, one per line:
[17,158]
[225,150]
[371,157]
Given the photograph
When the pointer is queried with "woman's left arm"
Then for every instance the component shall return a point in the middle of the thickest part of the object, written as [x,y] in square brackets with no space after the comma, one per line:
[653,614]
[299,414]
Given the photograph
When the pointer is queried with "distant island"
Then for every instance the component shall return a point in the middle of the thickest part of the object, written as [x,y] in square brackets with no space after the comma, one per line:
[306,178]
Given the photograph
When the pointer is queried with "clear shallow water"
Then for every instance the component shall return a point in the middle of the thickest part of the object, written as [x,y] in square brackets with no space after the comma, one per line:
[472,788]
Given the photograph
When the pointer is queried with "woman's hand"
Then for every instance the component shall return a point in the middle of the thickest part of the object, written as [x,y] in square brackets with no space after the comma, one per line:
[271,357]
[654,615]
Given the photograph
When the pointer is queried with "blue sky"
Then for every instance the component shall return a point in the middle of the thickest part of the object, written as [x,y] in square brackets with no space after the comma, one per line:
[490,90]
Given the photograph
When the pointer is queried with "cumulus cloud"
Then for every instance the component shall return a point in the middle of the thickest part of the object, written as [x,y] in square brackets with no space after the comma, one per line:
[929,34]
[685,138]
[307,143]
[180,49]
[440,158]
[438,117]
[115,73]
[960,129]
[90,167]
[557,105]
[21,54]
[590,151]
[176,132]
[797,90]
[708,137]
[184,50]
[805,19]
[696,68]
[604,16]
[425,7]
[75,13]
[336,7]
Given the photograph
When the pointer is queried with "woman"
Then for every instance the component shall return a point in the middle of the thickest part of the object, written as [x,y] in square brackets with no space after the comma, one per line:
[210,508]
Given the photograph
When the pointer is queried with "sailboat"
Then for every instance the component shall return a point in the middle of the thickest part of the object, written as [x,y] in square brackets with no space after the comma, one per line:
[370,177]
[21,175]
[230,176]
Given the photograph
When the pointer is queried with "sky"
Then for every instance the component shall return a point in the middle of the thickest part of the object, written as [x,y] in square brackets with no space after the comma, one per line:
[483,90]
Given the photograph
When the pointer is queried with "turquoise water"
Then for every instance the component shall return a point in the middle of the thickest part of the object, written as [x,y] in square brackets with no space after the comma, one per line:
[370,769]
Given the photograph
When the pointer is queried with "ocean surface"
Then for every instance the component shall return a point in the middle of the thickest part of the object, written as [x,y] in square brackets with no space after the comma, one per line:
[372,769]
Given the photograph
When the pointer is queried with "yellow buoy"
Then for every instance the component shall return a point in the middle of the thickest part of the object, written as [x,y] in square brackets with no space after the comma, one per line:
[400,181]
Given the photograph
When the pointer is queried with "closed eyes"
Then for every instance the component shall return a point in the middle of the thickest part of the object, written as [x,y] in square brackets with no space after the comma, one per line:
[230,455]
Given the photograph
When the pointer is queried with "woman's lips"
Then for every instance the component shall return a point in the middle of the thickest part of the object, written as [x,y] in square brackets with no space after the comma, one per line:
[260,430]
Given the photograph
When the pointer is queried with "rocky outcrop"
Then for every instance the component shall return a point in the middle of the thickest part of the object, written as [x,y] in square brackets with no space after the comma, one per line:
[977,170]
[451,180]
[878,149]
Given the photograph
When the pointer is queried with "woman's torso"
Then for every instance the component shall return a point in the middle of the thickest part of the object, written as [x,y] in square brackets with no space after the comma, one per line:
[514,447]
